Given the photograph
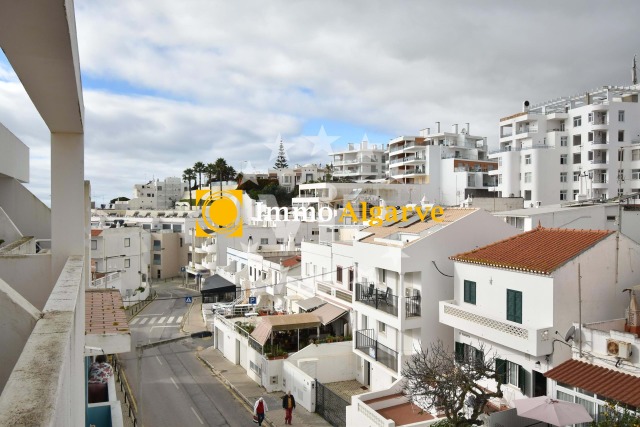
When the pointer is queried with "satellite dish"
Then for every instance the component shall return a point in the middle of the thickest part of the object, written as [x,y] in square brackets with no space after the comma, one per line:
[570,333]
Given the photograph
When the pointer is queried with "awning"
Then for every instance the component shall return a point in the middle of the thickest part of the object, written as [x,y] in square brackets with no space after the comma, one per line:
[310,303]
[329,312]
[287,322]
[217,283]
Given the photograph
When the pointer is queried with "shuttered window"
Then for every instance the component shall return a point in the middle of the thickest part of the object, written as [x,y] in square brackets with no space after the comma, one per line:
[469,292]
[514,306]
[511,373]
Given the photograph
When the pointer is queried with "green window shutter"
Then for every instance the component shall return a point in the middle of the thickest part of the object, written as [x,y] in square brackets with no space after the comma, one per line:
[501,370]
[514,306]
[459,352]
[479,357]
[469,291]
[518,306]
[522,375]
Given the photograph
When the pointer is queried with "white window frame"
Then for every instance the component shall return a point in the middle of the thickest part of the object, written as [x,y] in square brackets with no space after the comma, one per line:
[563,195]
[563,159]
[577,121]
[563,177]
[527,159]
[127,242]
[621,115]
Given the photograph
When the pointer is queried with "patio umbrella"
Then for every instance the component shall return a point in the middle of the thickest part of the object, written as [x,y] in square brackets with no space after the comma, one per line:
[552,411]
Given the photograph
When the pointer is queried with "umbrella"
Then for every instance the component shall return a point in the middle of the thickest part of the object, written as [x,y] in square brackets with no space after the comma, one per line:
[552,411]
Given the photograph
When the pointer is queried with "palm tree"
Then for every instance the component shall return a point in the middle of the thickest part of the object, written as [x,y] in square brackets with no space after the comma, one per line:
[198,168]
[230,173]
[189,175]
[210,170]
[221,168]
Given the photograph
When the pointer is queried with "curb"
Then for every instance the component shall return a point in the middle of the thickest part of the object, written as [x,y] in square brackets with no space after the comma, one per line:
[233,388]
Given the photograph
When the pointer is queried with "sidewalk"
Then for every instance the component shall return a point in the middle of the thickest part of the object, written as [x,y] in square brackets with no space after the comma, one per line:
[236,378]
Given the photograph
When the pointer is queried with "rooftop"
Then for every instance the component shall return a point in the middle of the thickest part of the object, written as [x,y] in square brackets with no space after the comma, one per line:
[104,313]
[541,250]
[604,382]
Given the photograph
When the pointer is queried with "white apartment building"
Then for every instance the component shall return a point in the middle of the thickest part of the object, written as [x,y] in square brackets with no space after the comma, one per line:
[359,162]
[395,275]
[571,147]
[120,260]
[454,164]
[158,194]
[518,296]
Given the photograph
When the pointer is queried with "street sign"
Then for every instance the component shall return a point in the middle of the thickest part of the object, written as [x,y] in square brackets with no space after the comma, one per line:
[188,300]
[253,300]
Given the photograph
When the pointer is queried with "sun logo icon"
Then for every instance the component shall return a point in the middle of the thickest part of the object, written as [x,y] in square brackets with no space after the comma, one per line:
[220,212]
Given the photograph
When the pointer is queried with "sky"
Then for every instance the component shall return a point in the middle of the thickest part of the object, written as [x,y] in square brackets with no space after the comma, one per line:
[167,83]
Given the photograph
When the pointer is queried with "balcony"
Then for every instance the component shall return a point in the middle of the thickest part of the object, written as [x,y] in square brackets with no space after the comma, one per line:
[378,299]
[534,341]
[372,348]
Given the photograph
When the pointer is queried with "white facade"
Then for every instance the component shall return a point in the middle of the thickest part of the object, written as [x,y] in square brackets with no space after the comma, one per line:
[359,162]
[290,177]
[554,151]
[454,164]
[549,304]
[158,194]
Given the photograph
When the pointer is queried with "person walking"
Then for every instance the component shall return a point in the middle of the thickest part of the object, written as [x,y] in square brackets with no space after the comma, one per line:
[288,404]
[259,409]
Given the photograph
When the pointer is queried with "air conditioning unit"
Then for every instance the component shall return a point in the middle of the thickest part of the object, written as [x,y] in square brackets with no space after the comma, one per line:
[620,349]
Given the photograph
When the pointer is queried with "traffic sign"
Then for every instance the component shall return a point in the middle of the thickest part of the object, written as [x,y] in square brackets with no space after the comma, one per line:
[253,300]
[188,300]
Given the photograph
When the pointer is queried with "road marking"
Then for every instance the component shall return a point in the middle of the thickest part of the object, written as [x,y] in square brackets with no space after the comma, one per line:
[198,417]
[174,383]
[161,320]
[152,320]
[143,321]
[159,361]
[134,321]
[179,319]
[170,319]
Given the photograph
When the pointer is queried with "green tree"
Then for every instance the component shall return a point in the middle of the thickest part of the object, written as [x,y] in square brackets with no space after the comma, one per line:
[328,172]
[119,199]
[281,160]
[221,169]
[199,168]
[615,415]
[189,175]
[210,170]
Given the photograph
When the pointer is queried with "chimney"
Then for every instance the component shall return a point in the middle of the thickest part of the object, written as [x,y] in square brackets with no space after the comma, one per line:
[468,129]
[454,128]
[525,106]
[633,315]
[438,127]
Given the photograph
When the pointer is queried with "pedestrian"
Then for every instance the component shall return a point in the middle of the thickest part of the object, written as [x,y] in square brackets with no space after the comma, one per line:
[99,373]
[259,408]
[288,404]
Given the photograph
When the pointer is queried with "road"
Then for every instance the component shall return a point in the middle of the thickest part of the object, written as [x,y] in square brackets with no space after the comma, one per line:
[177,388]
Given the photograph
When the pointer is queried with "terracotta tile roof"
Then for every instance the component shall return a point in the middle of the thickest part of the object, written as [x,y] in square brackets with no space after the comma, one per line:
[450,215]
[605,382]
[541,250]
[103,312]
[95,232]
[290,262]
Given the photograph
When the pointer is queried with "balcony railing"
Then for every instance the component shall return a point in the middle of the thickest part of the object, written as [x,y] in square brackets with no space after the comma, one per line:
[381,300]
[372,348]
[413,306]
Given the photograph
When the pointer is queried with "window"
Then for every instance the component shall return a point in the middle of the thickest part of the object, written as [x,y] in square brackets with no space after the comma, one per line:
[159,274]
[500,179]
[351,277]
[157,260]
[127,242]
[315,232]
[621,155]
[635,173]
[562,126]
[563,177]
[577,121]
[620,135]
[621,115]
[382,327]
[468,353]
[279,241]
[576,176]
[308,269]
[577,140]
[611,217]
[469,292]
[157,244]
[590,117]
[563,159]
[577,157]
[511,373]
[527,177]
[514,300]
[499,161]
[563,141]
[635,154]
[575,194]
[527,159]
[94,245]
[339,274]
[264,241]
[127,263]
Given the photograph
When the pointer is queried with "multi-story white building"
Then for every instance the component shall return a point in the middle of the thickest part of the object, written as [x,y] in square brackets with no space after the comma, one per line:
[515,298]
[558,150]
[158,194]
[359,162]
[454,164]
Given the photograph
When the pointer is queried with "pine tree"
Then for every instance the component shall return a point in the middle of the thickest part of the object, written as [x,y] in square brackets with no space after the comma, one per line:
[281,160]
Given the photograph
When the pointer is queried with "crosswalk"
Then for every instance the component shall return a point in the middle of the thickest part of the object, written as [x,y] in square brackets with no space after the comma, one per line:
[156,320]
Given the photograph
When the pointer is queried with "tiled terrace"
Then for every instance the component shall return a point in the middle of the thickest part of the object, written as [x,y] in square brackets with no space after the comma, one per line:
[346,389]
[401,411]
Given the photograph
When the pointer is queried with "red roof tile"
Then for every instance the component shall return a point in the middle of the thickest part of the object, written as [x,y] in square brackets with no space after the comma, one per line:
[605,382]
[541,250]
[95,232]
[290,262]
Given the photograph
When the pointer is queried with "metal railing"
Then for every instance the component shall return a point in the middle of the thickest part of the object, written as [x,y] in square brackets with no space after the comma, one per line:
[379,352]
[124,388]
[413,306]
[509,148]
[381,300]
